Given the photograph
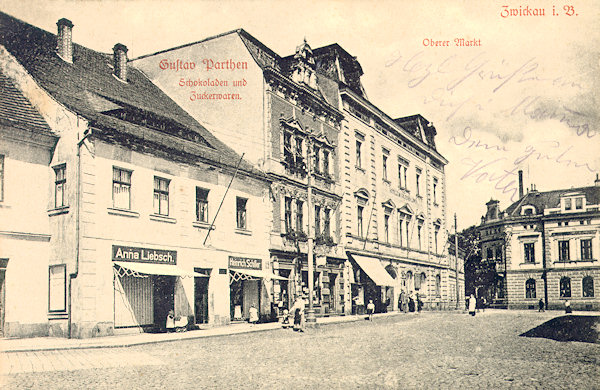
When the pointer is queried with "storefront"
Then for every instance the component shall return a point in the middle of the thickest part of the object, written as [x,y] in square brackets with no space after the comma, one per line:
[370,281]
[147,285]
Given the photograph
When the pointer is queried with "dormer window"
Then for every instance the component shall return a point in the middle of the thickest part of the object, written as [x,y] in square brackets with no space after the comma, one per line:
[578,203]
[527,210]
[568,204]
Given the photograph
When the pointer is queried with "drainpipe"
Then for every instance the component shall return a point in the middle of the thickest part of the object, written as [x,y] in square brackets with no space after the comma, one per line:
[74,275]
[544,265]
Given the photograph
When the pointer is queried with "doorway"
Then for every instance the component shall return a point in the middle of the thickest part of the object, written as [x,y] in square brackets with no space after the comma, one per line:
[164,299]
[201,296]
[2,303]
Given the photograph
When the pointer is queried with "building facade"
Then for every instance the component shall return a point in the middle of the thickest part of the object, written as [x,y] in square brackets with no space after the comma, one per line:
[545,246]
[143,210]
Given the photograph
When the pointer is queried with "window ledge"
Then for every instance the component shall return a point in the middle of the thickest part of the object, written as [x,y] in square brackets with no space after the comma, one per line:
[162,218]
[359,168]
[4,205]
[530,263]
[436,204]
[123,212]
[58,211]
[386,181]
[243,232]
[203,225]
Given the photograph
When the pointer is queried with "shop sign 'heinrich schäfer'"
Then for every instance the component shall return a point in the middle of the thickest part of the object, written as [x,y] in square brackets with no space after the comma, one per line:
[143,255]
[244,262]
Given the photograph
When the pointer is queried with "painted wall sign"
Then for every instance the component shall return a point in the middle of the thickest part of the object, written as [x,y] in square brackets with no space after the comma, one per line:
[244,262]
[143,255]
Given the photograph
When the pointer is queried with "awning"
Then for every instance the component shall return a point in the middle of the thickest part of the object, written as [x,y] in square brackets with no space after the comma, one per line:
[375,270]
[134,269]
[257,273]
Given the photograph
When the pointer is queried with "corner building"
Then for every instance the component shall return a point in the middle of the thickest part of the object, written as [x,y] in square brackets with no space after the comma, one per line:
[133,184]
[545,246]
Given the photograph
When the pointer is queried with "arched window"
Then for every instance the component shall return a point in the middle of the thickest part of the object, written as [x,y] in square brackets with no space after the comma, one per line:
[588,287]
[438,285]
[530,288]
[409,281]
[565,287]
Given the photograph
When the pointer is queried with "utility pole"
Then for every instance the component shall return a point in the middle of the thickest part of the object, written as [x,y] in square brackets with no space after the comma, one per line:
[456,265]
[310,313]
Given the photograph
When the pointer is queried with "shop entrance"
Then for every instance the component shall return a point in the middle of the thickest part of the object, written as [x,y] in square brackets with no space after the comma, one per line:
[164,299]
[201,296]
[244,294]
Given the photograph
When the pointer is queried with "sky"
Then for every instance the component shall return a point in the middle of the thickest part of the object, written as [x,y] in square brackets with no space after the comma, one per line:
[525,98]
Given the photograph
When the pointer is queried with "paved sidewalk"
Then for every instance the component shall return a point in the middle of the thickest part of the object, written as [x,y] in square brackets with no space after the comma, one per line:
[59,343]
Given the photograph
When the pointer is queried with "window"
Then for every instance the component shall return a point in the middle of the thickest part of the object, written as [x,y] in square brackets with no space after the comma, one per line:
[161,196]
[317,220]
[201,205]
[563,251]
[1,178]
[568,204]
[437,232]
[326,162]
[407,231]
[588,287]
[287,148]
[359,227]
[417,281]
[529,252]
[299,216]
[586,249]
[490,254]
[530,289]
[419,227]
[327,222]
[358,154]
[288,214]
[579,203]
[565,287]
[317,166]
[498,253]
[435,183]
[386,227]
[400,233]
[299,154]
[438,285]
[241,213]
[121,188]
[60,186]
[417,181]
[57,292]
[402,184]
[384,159]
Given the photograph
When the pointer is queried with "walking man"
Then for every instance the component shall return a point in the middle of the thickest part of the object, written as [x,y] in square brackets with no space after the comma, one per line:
[541,305]
[370,309]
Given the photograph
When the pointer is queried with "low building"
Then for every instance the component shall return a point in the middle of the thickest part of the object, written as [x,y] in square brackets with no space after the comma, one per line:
[139,209]
[545,246]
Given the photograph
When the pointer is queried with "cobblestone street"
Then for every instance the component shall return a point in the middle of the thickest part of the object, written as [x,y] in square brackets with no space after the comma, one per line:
[427,350]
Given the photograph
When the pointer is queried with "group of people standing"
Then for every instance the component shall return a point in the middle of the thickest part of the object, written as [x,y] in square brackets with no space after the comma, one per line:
[408,303]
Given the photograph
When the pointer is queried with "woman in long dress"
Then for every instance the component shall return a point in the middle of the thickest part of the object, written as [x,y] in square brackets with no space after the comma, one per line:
[472,304]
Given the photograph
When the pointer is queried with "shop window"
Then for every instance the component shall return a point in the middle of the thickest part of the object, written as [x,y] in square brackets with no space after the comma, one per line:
[299,216]
[1,178]
[326,162]
[57,291]
[288,214]
[588,287]
[359,227]
[241,213]
[327,222]
[358,154]
[121,188]
[565,287]
[529,252]
[317,220]
[201,204]
[586,249]
[563,251]
[60,186]
[530,289]
[161,196]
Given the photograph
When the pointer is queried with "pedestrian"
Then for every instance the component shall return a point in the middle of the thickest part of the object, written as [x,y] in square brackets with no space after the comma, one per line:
[299,315]
[419,304]
[568,309]
[411,304]
[483,304]
[541,305]
[401,301]
[370,309]
[253,315]
[472,305]
[170,323]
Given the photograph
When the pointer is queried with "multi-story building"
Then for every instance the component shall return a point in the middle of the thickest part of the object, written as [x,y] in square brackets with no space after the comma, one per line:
[26,145]
[393,219]
[274,111]
[545,246]
[138,209]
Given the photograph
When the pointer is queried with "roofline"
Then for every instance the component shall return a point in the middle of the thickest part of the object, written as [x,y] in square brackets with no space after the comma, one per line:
[421,144]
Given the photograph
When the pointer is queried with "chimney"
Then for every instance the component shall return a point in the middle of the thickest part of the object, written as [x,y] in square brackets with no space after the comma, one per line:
[597,181]
[520,184]
[120,61]
[64,40]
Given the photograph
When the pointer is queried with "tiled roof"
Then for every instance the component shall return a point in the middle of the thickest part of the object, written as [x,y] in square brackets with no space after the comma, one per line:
[89,88]
[551,199]
[17,111]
